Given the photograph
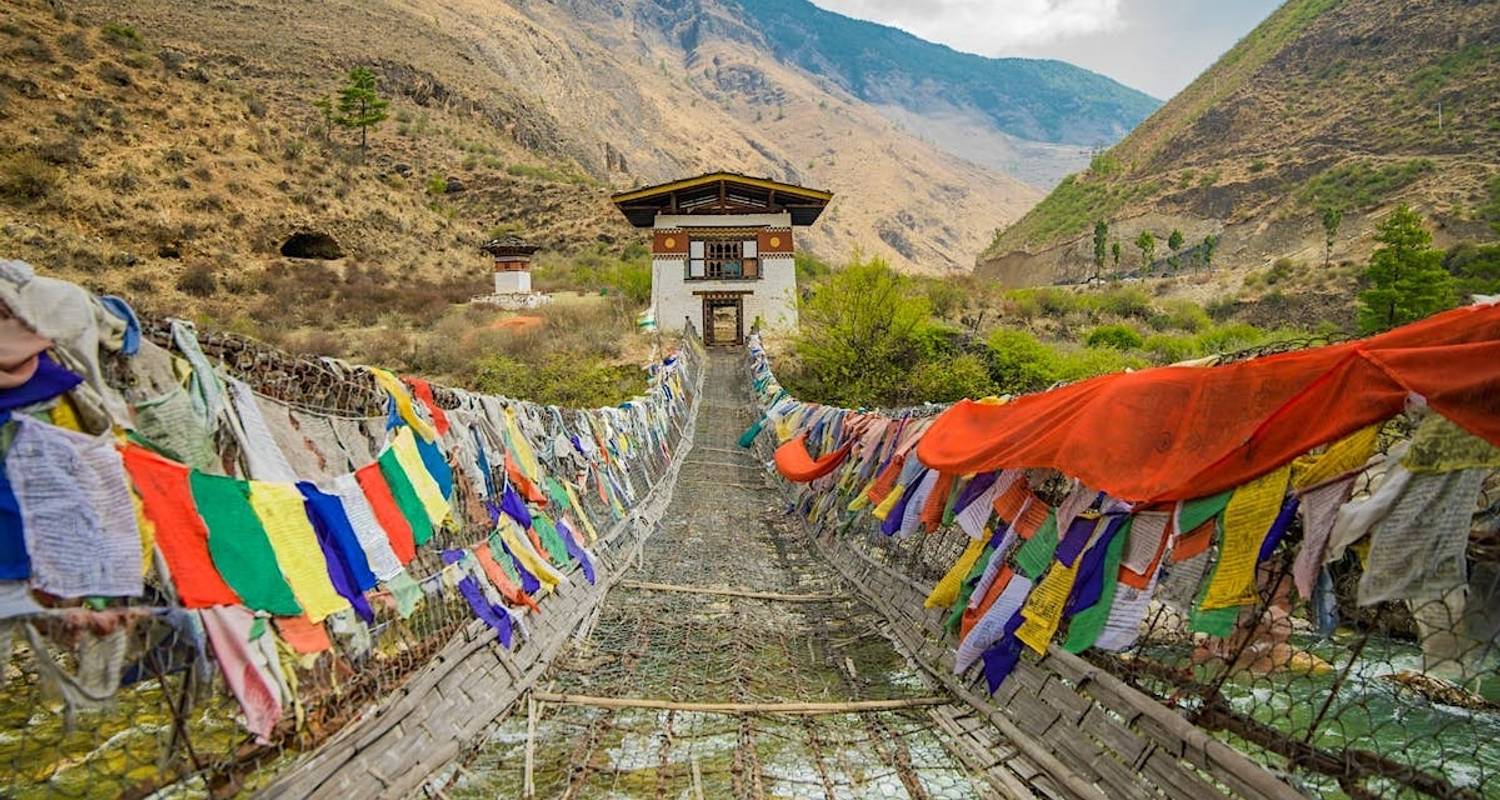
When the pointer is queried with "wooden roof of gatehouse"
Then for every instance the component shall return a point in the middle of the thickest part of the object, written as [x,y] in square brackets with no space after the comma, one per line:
[722,193]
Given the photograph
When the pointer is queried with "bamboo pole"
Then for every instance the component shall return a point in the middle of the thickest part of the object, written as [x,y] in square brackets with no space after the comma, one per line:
[739,708]
[672,587]
[528,789]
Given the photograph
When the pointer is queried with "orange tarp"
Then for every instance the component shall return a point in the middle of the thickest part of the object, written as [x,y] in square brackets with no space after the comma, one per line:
[1175,433]
[797,465]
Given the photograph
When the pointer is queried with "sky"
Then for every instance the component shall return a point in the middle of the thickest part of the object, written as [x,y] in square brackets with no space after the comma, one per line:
[1157,46]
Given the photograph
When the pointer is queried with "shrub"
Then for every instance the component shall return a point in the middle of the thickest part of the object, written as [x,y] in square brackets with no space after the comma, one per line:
[26,178]
[198,281]
[1019,362]
[121,35]
[944,296]
[1181,315]
[859,334]
[1166,348]
[1124,302]
[948,381]
[1079,364]
[437,184]
[575,382]
[1230,338]
[1118,337]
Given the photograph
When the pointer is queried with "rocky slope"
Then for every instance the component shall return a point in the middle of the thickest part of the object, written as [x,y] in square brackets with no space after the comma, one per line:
[1353,105]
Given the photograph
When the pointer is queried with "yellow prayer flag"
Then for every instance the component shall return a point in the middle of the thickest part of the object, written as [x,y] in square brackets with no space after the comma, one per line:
[945,593]
[1044,606]
[283,514]
[397,391]
[1341,458]
[1251,511]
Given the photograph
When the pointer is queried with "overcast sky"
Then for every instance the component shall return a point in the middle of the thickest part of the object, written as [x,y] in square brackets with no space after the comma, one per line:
[1157,46]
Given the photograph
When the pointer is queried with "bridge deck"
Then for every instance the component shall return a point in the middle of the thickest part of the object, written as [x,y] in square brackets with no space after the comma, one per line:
[726,529]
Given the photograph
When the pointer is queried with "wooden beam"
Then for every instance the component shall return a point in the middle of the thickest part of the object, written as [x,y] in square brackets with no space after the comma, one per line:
[851,707]
[753,595]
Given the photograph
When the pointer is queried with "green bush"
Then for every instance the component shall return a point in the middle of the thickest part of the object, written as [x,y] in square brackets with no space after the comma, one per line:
[26,178]
[437,184]
[1123,302]
[861,334]
[575,381]
[1165,348]
[1230,338]
[1019,362]
[1182,315]
[965,376]
[121,35]
[1361,184]
[1119,337]
[810,268]
[1077,365]
[1476,269]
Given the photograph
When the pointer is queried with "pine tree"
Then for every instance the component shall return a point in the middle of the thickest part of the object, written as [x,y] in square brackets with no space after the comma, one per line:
[359,106]
[1210,243]
[1114,251]
[1174,243]
[1332,218]
[1406,276]
[1101,238]
[1146,242]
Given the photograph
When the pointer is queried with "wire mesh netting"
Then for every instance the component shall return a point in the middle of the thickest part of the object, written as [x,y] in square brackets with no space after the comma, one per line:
[115,700]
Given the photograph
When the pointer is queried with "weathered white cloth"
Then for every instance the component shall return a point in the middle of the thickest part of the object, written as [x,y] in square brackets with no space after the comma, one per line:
[1417,550]
[991,627]
[76,514]
[1145,536]
[204,386]
[1358,516]
[264,460]
[1319,509]
[372,539]
[77,324]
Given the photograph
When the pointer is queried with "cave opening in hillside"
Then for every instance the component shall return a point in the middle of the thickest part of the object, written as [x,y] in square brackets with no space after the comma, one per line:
[312,244]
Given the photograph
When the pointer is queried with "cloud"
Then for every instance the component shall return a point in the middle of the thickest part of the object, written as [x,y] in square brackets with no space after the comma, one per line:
[988,27]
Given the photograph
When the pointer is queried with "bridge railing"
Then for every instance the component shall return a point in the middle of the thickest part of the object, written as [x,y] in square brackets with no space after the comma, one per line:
[126,697]
[1320,696]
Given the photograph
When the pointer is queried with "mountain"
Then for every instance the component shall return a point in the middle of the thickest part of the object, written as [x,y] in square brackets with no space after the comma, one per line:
[148,141]
[1030,99]
[1352,105]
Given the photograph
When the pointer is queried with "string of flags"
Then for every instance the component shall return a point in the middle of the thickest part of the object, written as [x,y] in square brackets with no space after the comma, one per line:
[1176,486]
[260,527]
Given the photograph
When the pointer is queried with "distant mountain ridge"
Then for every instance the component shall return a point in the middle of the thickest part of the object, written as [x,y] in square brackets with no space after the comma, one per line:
[1036,99]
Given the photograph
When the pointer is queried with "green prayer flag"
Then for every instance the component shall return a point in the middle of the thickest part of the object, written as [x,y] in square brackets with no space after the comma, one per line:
[238,545]
[551,540]
[405,496]
[1197,512]
[408,593]
[1086,625]
[1035,555]
[502,557]
[1217,622]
